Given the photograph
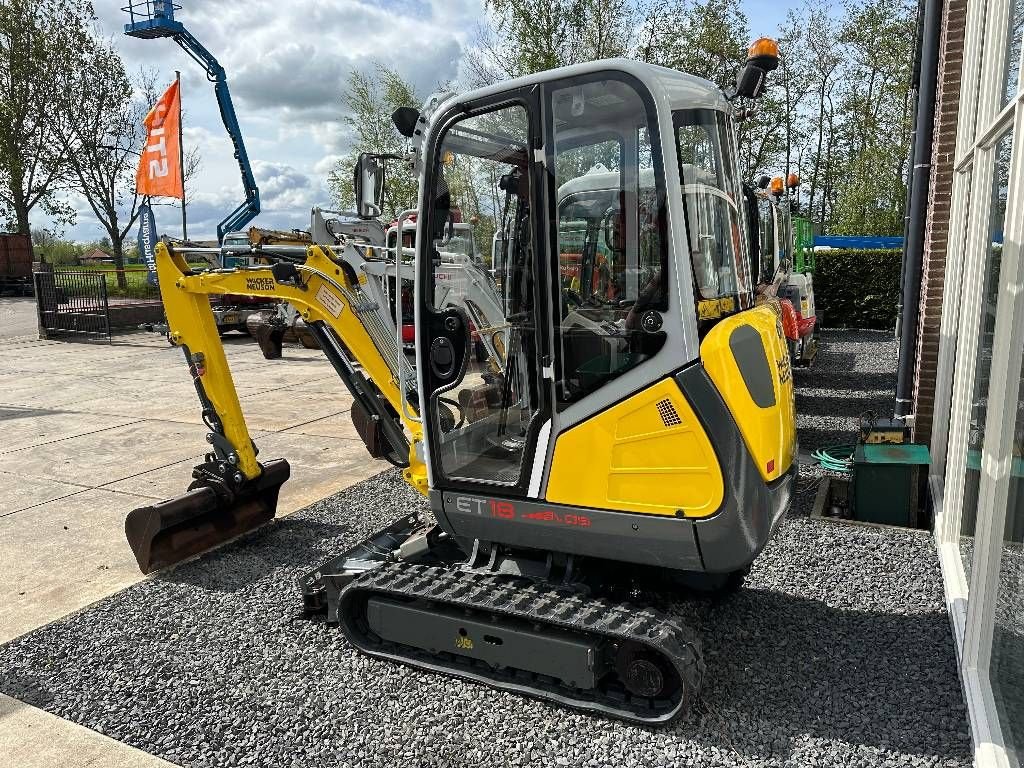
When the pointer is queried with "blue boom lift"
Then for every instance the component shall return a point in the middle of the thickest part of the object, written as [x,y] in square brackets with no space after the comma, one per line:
[155,18]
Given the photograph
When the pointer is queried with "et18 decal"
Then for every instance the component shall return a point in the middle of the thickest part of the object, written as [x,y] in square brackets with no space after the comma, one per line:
[506,510]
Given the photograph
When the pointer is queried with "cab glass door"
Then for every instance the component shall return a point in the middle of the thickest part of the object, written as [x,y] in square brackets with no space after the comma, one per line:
[480,335]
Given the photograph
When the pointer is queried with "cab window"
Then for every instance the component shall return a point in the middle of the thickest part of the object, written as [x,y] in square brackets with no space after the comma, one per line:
[713,204]
[611,240]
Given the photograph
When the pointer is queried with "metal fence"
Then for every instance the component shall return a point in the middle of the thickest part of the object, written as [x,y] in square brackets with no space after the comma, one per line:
[89,303]
[72,305]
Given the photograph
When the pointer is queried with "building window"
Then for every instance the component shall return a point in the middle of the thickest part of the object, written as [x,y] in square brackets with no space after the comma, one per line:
[983,355]
[979,477]
[1006,668]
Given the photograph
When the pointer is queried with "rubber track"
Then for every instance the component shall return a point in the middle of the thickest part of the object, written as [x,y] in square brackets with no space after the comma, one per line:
[538,603]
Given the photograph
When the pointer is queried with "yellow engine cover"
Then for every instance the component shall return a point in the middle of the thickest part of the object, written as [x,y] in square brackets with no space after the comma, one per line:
[747,358]
[648,454]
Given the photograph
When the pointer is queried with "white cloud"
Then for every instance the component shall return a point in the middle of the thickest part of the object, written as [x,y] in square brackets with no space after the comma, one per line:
[287,64]
[283,188]
[325,165]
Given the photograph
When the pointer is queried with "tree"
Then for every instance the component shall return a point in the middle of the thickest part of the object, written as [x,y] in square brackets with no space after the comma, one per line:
[709,39]
[371,99]
[40,41]
[706,38]
[527,36]
[818,66]
[871,193]
[105,140]
[102,143]
[794,81]
[55,250]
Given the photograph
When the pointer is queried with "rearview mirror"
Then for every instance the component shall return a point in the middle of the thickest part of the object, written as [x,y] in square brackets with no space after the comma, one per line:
[368,184]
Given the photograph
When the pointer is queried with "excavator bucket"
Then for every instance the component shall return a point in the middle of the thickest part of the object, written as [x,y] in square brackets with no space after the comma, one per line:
[170,531]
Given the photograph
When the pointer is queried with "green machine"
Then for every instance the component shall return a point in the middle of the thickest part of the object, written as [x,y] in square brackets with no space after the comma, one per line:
[803,246]
[886,483]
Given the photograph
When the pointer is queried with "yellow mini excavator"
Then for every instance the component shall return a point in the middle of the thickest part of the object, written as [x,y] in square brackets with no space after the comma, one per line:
[637,423]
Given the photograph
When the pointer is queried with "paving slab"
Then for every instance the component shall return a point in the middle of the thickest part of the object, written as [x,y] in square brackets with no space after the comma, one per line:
[60,556]
[33,738]
[271,374]
[24,427]
[277,409]
[18,492]
[52,390]
[158,401]
[321,466]
[17,317]
[339,425]
[160,483]
[110,454]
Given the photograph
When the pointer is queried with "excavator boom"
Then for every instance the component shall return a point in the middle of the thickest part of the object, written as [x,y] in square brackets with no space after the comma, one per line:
[232,493]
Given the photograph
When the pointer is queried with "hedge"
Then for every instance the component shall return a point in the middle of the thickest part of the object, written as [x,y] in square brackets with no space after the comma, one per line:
[858,289]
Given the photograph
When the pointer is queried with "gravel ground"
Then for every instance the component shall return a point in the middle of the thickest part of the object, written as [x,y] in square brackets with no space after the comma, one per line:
[836,653]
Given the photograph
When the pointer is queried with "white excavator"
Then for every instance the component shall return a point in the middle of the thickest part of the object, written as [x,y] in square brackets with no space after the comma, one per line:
[779,274]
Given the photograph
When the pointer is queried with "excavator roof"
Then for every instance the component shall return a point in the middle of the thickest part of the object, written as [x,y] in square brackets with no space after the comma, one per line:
[670,88]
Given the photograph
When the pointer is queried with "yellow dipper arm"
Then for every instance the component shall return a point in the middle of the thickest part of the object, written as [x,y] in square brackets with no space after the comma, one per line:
[321,292]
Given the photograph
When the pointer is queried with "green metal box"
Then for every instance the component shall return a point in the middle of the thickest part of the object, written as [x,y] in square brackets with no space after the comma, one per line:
[886,483]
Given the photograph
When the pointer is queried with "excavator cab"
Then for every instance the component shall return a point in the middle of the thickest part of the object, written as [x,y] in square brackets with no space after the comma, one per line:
[623,240]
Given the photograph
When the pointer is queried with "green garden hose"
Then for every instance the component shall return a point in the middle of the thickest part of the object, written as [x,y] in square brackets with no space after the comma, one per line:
[838,458]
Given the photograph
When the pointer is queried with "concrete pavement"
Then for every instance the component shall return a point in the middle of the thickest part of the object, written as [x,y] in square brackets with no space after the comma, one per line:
[30,737]
[17,317]
[89,431]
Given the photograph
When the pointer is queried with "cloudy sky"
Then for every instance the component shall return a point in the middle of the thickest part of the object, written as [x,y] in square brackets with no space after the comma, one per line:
[287,63]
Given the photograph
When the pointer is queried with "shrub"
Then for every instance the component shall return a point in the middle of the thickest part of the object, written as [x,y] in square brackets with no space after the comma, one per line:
[59,252]
[858,289]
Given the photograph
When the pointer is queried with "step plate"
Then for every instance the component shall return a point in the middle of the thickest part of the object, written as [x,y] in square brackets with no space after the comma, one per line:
[575,660]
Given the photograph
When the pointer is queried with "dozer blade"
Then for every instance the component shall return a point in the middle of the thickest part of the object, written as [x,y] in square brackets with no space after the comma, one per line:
[170,531]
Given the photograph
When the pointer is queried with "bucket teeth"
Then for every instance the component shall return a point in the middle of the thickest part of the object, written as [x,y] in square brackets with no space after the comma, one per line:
[168,532]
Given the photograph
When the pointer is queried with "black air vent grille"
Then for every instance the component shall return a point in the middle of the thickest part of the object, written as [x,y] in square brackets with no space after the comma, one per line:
[668,413]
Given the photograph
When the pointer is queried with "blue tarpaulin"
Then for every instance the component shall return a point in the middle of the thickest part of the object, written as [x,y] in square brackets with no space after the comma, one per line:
[858,241]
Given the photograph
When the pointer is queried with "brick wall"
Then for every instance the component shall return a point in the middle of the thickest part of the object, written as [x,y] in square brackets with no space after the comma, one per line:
[947,106]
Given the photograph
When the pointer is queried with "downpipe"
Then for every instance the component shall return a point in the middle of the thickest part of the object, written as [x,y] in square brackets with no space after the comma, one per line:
[920,179]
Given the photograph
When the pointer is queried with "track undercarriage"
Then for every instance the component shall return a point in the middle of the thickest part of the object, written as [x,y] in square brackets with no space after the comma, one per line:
[540,627]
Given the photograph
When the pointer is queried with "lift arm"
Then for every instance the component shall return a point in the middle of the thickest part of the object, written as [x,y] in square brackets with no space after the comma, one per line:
[320,290]
[155,18]
[250,208]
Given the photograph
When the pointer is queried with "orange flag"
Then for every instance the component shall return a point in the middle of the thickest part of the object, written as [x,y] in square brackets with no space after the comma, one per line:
[160,169]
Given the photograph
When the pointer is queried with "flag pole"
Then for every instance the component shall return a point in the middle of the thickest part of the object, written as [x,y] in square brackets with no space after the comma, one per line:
[181,159]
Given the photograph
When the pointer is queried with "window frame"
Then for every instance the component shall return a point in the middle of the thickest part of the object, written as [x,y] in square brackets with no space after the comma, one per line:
[982,123]
[526,98]
[726,139]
